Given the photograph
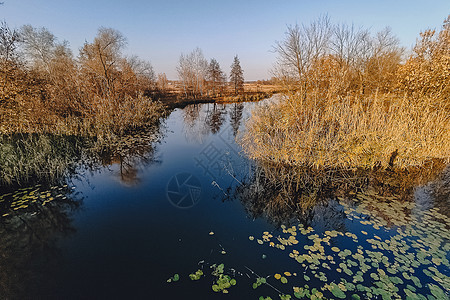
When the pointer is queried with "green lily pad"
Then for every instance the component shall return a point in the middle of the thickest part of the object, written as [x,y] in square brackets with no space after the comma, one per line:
[336,291]
[436,291]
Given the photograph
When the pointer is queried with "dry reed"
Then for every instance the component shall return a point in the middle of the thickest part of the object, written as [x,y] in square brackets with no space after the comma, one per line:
[350,132]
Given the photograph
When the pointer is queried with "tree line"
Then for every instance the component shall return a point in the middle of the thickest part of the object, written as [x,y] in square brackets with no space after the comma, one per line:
[43,83]
[332,60]
[354,99]
[198,78]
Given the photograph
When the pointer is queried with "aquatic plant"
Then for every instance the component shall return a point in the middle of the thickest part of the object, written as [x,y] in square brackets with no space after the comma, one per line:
[174,278]
[223,282]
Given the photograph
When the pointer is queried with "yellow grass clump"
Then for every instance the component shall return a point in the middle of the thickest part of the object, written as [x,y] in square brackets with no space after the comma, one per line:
[349,132]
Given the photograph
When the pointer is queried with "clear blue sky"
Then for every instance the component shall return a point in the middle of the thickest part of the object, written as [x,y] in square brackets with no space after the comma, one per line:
[159,31]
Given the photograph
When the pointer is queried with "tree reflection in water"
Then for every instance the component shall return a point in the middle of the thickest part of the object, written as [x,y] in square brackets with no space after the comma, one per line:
[202,120]
[131,153]
[34,217]
[215,118]
[236,116]
[287,195]
[28,239]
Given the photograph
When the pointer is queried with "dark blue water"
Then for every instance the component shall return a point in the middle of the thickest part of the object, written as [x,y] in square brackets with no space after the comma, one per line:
[127,227]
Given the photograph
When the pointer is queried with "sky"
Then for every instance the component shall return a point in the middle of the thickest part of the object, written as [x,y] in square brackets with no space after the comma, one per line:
[159,31]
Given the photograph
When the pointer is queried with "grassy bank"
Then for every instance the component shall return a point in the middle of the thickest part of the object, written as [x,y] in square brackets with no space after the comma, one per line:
[363,108]
[349,132]
[39,157]
[51,159]
[102,119]
[245,97]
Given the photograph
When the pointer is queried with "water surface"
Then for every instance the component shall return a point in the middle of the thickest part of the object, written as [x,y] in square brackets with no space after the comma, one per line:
[192,200]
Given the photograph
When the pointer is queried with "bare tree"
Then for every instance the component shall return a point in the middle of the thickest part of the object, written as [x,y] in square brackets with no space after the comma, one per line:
[192,71]
[302,45]
[349,43]
[186,74]
[8,43]
[352,48]
[8,59]
[144,75]
[38,46]
[382,66]
[100,59]
[237,76]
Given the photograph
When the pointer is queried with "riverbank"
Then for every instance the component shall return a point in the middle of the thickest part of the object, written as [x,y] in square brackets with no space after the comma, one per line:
[352,132]
[173,100]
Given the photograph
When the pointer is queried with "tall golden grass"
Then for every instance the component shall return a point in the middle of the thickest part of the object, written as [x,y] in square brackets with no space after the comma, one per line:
[104,118]
[369,113]
[350,132]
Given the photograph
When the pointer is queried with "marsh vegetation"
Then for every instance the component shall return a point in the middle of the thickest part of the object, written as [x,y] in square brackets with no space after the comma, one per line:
[351,102]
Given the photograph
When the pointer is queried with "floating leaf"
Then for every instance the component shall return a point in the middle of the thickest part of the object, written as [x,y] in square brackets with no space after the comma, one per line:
[410,295]
[336,291]
[197,275]
[436,291]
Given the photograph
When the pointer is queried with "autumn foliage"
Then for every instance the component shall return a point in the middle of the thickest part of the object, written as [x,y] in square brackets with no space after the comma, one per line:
[44,88]
[427,71]
[350,101]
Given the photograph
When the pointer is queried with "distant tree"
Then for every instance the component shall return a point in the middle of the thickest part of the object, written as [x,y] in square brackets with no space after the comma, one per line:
[223,83]
[320,58]
[237,76]
[185,74]
[192,72]
[215,76]
[381,67]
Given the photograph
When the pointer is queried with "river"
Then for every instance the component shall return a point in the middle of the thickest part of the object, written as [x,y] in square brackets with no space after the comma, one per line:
[137,226]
